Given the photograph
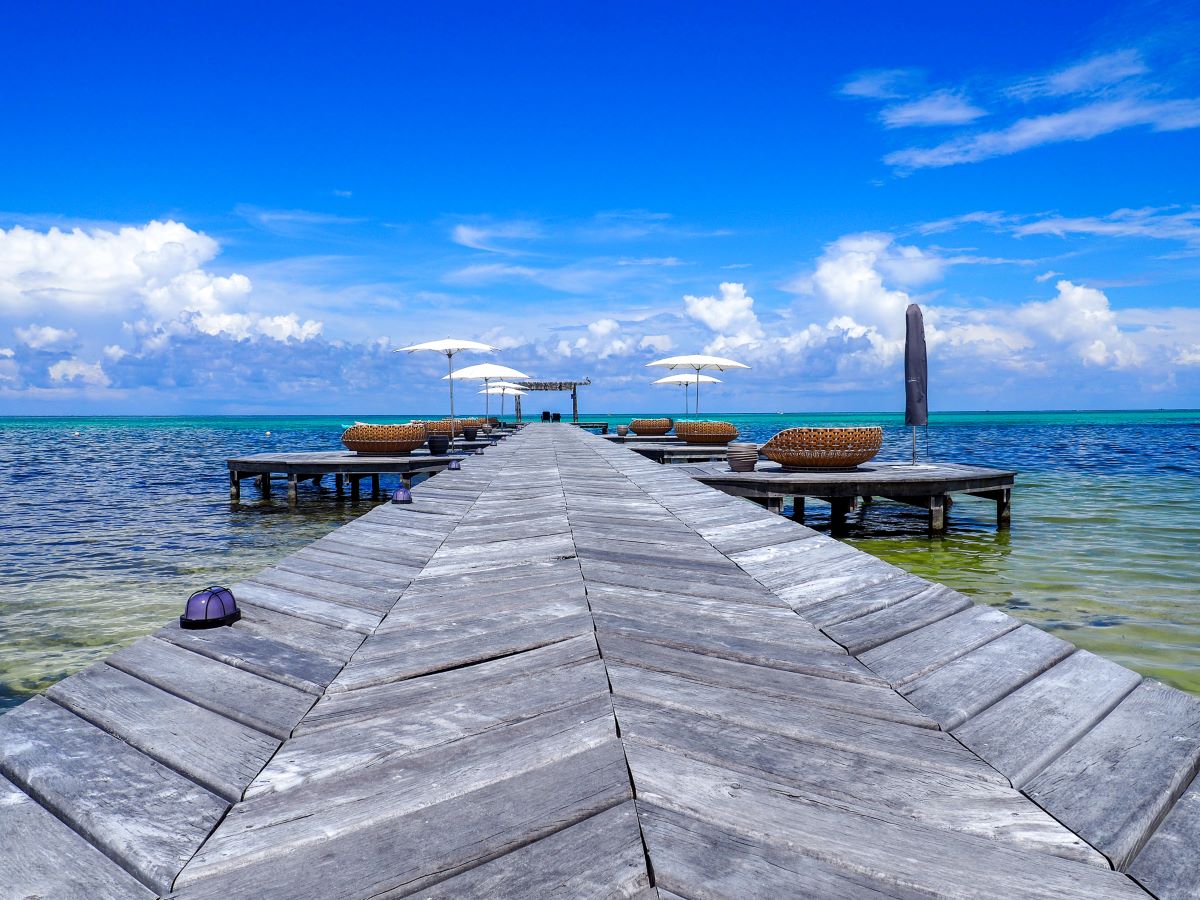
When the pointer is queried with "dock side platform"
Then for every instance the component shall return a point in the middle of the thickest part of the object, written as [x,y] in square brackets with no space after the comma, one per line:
[566,670]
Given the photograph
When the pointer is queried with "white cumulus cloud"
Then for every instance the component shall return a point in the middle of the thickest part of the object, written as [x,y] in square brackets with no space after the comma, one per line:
[150,275]
[731,315]
[72,370]
[42,337]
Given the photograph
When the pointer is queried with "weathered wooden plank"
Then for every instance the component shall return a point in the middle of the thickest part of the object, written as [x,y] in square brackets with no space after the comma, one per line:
[40,857]
[270,707]
[1022,733]
[795,634]
[920,652]
[842,778]
[137,811]
[394,579]
[868,599]
[795,718]
[279,824]
[699,859]
[828,662]
[909,857]
[323,589]
[416,851]
[875,701]
[929,606]
[218,753]
[303,634]
[305,607]
[425,722]
[334,710]
[651,579]
[973,682]
[1119,780]
[405,638]
[243,649]
[601,857]
[471,649]
[1168,865]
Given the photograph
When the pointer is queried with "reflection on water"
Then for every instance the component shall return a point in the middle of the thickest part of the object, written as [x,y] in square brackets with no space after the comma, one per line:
[106,532]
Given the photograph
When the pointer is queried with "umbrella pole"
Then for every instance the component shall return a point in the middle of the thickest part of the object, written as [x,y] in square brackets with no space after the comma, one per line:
[450,366]
[697,393]
[487,402]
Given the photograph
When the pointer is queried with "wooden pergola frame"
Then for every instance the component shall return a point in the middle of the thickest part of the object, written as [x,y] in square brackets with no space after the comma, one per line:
[572,386]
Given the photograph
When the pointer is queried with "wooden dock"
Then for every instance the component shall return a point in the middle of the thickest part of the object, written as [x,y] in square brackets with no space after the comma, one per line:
[568,671]
[344,465]
[930,486]
[668,452]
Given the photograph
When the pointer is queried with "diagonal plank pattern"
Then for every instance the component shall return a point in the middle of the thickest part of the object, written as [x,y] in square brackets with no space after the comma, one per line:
[569,671]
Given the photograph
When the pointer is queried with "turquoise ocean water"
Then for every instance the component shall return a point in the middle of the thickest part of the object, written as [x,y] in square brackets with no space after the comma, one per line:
[109,523]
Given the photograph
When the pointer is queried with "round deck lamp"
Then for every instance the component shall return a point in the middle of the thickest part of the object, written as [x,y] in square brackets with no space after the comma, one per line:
[401,495]
[210,608]
[454,465]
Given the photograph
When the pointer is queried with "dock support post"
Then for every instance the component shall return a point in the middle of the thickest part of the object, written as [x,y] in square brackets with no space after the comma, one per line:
[235,487]
[264,485]
[375,486]
[798,510]
[1004,508]
[774,505]
[354,487]
[937,513]
[293,493]
[339,484]
[575,404]
[838,508]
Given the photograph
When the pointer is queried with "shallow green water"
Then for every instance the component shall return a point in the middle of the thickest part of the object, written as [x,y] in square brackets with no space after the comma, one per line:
[105,532]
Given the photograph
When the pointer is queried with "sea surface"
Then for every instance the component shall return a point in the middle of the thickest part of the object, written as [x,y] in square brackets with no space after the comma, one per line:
[107,524]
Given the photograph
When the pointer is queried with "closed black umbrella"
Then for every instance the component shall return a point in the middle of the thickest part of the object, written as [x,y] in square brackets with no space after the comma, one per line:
[916,373]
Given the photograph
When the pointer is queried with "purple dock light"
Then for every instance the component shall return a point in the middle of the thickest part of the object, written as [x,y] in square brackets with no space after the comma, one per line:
[209,608]
[454,465]
[401,495]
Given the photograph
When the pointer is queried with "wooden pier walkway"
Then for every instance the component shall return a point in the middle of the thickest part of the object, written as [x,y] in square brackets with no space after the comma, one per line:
[929,486]
[568,671]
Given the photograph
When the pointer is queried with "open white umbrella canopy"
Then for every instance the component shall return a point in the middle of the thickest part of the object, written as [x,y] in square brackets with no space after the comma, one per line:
[485,372]
[508,384]
[687,381]
[504,390]
[697,363]
[449,346]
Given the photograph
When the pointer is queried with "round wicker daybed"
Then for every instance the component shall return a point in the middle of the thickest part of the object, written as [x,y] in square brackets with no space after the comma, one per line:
[706,432]
[651,427]
[824,448]
[384,439]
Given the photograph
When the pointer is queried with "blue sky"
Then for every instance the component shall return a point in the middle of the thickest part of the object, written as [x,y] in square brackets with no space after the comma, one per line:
[245,208]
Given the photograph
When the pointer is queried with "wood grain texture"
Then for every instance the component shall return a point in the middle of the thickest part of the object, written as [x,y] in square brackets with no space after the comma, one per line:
[1168,864]
[40,857]
[266,705]
[908,857]
[971,683]
[137,811]
[842,778]
[919,652]
[416,851]
[1115,784]
[215,752]
[1021,734]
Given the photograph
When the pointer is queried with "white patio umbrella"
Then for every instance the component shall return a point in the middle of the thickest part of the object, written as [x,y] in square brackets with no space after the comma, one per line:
[697,363]
[504,390]
[449,346]
[485,372]
[686,381]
